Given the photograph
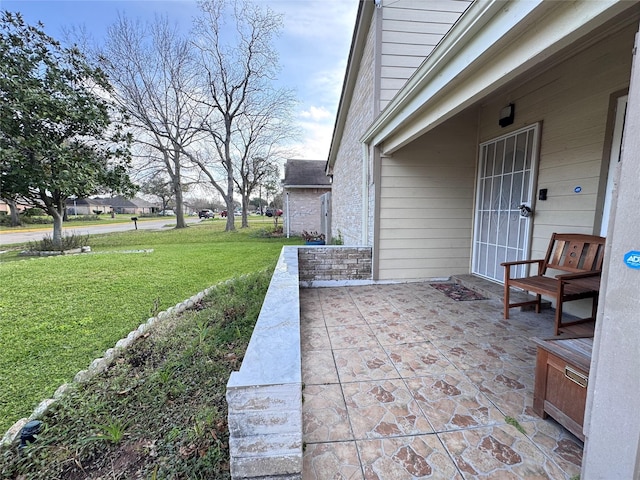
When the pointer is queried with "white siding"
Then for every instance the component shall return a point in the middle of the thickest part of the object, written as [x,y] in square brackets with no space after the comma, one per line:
[410,31]
[426,204]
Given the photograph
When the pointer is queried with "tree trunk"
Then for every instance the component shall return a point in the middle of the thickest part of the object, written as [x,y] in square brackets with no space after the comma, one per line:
[245,210]
[57,227]
[180,222]
[231,226]
[13,211]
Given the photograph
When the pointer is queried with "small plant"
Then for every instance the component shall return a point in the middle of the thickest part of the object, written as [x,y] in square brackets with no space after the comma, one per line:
[153,311]
[67,242]
[312,236]
[203,330]
[337,240]
[514,423]
[113,432]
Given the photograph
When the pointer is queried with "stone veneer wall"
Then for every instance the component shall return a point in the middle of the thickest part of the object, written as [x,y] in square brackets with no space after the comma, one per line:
[265,396]
[334,263]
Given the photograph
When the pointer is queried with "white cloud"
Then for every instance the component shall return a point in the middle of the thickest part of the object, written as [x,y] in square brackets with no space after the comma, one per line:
[315,113]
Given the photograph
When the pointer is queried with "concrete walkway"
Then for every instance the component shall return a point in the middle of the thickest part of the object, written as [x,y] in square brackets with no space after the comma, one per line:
[403,382]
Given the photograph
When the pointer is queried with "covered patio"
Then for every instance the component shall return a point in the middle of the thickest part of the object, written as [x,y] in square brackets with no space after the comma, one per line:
[403,381]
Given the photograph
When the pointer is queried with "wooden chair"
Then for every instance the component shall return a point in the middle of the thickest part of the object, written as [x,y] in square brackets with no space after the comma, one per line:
[580,256]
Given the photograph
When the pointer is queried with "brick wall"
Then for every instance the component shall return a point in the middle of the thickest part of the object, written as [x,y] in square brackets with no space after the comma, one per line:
[347,201]
[334,263]
[303,211]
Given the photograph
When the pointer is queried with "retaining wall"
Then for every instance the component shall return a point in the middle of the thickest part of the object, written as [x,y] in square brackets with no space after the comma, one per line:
[265,395]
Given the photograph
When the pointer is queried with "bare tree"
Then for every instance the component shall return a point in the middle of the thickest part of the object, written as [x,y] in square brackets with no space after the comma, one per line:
[152,68]
[248,116]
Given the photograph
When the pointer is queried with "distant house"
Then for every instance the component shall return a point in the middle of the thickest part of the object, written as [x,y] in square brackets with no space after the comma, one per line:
[133,206]
[305,182]
[87,206]
[118,204]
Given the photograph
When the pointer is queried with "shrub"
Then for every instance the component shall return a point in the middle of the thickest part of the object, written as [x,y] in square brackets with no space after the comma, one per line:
[36,220]
[34,212]
[68,242]
[83,218]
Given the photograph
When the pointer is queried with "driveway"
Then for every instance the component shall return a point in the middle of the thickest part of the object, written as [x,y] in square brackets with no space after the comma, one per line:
[12,237]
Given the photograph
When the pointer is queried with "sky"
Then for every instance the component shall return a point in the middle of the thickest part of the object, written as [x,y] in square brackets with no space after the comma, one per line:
[313,47]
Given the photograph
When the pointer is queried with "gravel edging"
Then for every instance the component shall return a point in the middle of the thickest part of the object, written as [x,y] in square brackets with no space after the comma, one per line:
[99,365]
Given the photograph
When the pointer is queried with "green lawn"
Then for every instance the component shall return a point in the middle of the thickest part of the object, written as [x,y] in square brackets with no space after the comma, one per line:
[58,313]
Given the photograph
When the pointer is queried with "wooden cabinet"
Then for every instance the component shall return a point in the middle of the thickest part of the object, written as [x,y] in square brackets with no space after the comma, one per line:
[562,376]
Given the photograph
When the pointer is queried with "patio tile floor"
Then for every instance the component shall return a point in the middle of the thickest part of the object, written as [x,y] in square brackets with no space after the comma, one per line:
[403,382]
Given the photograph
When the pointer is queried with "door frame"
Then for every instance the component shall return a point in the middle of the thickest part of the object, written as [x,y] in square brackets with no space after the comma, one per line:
[612,155]
[526,247]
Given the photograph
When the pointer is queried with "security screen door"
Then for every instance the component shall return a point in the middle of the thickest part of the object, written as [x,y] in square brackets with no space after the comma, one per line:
[505,182]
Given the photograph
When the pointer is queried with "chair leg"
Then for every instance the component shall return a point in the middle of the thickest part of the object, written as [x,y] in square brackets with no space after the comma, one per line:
[506,300]
[558,320]
[538,302]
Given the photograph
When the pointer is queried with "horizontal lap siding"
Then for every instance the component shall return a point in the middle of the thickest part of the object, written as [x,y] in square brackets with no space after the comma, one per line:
[410,31]
[571,100]
[426,204]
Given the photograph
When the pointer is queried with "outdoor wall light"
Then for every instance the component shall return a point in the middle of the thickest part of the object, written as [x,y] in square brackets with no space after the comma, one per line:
[506,115]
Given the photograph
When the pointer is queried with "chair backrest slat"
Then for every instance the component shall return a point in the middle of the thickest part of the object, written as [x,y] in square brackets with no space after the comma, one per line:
[575,253]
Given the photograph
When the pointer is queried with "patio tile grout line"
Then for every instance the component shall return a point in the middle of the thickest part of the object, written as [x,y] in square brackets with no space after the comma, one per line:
[438,346]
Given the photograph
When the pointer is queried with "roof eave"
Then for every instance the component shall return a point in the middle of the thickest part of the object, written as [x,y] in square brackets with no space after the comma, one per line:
[358,42]
[475,37]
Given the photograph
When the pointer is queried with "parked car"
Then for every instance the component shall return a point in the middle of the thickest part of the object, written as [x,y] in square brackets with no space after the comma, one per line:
[167,212]
[223,213]
[270,212]
[206,214]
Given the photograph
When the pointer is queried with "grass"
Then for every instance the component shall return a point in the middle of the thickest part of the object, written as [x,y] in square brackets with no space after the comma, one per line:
[159,411]
[59,313]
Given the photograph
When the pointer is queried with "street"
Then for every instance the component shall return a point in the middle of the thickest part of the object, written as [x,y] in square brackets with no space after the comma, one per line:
[40,231]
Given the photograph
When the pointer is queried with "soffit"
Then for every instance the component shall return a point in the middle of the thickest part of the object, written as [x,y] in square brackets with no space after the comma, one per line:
[493,42]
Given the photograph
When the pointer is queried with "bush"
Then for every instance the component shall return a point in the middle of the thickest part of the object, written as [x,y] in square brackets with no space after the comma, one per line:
[83,218]
[36,220]
[68,242]
[34,212]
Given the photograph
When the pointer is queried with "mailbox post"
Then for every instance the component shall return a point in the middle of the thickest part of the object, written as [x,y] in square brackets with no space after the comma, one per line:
[135,221]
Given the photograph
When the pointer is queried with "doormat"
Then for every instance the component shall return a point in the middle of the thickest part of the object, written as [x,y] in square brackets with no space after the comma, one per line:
[457,292]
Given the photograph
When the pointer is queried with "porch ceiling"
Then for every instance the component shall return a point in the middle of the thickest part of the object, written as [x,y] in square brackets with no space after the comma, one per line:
[493,43]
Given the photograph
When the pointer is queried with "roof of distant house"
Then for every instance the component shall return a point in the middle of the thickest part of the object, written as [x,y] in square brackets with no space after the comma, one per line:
[120,201]
[305,173]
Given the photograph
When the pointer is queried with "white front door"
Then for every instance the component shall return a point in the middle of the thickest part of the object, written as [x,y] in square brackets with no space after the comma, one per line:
[505,183]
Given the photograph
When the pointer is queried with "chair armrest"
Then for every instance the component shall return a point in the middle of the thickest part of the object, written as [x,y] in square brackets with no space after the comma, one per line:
[521,262]
[576,276]
[507,267]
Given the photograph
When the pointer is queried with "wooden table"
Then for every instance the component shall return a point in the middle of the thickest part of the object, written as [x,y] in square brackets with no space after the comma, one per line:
[562,376]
